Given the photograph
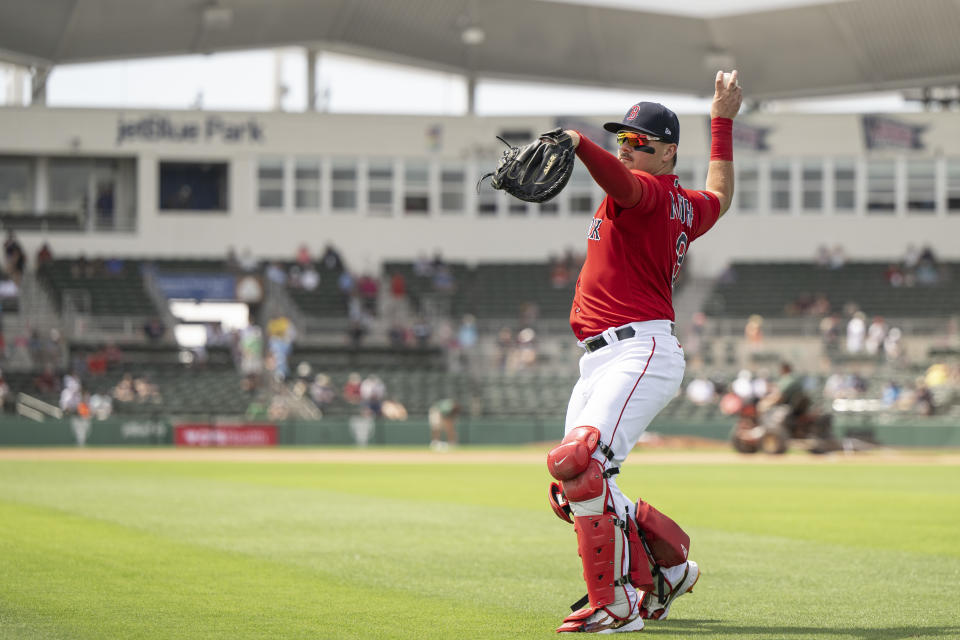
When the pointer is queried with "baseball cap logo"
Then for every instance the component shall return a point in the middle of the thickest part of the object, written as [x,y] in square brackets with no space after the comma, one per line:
[633,112]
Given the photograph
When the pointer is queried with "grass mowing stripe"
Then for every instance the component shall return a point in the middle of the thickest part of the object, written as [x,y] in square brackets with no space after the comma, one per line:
[104,581]
[457,566]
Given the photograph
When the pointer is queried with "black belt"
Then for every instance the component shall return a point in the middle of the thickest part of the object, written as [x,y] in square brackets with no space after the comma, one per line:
[599,342]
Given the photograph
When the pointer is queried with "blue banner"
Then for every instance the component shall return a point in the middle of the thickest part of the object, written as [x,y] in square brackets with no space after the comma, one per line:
[198,286]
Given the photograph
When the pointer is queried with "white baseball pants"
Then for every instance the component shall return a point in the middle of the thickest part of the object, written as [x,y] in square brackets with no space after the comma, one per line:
[622,387]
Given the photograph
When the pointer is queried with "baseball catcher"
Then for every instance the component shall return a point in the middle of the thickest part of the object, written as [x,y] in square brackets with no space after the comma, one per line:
[635,558]
[538,171]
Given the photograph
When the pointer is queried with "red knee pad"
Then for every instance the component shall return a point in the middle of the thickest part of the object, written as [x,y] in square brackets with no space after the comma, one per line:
[667,541]
[570,458]
[559,502]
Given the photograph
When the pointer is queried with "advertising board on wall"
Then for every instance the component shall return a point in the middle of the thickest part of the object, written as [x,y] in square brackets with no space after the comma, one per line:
[225,435]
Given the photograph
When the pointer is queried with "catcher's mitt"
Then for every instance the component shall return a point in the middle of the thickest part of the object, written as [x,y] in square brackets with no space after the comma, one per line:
[535,172]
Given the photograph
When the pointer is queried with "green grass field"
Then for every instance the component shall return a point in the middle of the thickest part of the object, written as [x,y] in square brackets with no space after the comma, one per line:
[116,549]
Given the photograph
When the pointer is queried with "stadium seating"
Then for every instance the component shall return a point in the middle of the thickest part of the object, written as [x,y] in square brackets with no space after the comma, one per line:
[326,301]
[768,288]
[118,293]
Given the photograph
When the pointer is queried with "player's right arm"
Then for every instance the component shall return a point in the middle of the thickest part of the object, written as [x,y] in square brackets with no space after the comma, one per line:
[726,104]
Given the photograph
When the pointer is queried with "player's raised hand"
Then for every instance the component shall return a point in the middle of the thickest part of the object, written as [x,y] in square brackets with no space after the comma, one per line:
[727,95]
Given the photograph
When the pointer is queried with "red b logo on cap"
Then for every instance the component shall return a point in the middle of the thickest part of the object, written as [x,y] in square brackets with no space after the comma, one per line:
[633,112]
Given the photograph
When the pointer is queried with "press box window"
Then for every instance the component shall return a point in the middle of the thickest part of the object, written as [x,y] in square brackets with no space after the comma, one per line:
[780,186]
[380,187]
[343,194]
[416,188]
[812,182]
[193,186]
[881,186]
[953,185]
[16,185]
[580,189]
[922,186]
[270,183]
[844,185]
[307,183]
[452,181]
[747,190]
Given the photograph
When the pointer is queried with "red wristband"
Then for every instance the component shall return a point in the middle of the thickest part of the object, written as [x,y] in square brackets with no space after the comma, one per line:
[721,143]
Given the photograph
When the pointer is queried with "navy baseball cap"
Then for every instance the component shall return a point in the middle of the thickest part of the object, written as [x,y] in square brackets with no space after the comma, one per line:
[651,118]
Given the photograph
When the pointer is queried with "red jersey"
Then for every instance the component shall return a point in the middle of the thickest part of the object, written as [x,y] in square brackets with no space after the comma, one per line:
[634,254]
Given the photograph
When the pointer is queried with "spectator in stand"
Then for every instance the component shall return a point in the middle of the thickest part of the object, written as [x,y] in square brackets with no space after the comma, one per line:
[303,256]
[830,330]
[838,257]
[309,278]
[820,306]
[97,363]
[248,262]
[422,266]
[231,261]
[251,354]
[892,348]
[822,258]
[80,268]
[15,258]
[345,283]
[71,394]
[372,394]
[398,286]
[46,381]
[438,262]
[923,399]
[322,392]
[294,276]
[753,331]
[891,393]
[113,267]
[124,391]
[701,391]
[928,271]
[559,274]
[505,346]
[876,333]
[154,329]
[911,258]
[694,342]
[466,342]
[351,389]
[276,274]
[422,332]
[4,393]
[281,334]
[368,287]
[44,254]
[101,406]
[443,281]
[856,332]
[331,259]
[360,321]
[894,275]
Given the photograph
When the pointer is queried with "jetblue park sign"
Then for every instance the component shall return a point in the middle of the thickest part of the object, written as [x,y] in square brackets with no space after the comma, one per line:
[211,129]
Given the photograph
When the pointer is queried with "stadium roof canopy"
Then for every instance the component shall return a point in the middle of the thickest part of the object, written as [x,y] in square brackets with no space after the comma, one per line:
[801,49]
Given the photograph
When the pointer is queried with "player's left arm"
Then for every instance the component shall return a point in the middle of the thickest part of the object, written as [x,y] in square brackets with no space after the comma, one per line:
[725,106]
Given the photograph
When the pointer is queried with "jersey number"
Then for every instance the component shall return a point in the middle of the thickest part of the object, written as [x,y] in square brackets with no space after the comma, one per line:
[681,254]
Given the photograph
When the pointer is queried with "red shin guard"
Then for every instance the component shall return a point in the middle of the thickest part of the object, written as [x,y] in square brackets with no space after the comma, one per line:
[668,543]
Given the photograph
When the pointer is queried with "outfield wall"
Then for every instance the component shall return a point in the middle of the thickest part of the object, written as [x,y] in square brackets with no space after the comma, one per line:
[501,431]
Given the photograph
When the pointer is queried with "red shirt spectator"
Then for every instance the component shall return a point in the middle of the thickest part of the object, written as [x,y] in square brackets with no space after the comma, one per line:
[398,285]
